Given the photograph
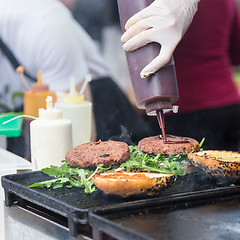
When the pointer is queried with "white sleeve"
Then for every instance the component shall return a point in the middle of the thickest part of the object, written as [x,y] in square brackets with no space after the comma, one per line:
[65,50]
[97,66]
[59,54]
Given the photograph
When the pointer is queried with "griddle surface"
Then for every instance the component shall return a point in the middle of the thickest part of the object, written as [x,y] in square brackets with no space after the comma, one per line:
[218,220]
[76,205]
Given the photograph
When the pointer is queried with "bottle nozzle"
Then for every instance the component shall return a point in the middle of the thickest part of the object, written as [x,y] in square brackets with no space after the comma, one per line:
[49,102]
[88,79]
[73,96]
[72,91]
[39,86]
[39,77]
[50,112]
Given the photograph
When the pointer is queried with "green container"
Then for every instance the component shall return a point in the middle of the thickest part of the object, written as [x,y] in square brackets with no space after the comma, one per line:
[13,128]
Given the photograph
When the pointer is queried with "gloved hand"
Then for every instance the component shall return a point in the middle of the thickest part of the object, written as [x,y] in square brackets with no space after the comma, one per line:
[164,22]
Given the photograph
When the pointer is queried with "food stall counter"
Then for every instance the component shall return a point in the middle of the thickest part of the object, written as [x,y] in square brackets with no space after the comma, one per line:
[9,164]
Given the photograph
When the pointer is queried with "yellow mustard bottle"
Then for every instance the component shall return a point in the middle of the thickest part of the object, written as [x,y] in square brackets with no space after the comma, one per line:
[75,108]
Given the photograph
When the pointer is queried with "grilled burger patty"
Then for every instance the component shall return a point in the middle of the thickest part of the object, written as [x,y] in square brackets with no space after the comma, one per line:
[92,154]
[154,145]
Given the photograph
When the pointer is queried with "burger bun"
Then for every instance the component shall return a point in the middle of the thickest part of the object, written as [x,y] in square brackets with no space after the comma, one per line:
[126,184]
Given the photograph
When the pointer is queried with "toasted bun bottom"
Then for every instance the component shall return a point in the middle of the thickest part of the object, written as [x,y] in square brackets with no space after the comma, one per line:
[125,184]
[217,163]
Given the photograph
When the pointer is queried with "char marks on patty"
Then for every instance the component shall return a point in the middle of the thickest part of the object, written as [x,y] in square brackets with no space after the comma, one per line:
[92,154]
[154,145]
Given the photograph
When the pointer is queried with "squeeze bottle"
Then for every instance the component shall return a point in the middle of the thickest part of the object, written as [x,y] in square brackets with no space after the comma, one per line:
[159,91]
[33,99]
[51,137]
[79,111]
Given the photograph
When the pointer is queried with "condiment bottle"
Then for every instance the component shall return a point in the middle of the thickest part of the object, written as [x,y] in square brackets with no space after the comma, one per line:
[158,91]
[33,99]
[79,111]
[51,137]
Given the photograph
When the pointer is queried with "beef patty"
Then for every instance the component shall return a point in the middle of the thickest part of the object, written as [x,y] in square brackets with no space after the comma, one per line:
[154,145]
[92,154]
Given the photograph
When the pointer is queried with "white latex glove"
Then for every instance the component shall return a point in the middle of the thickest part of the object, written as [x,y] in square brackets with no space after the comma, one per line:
[164,22]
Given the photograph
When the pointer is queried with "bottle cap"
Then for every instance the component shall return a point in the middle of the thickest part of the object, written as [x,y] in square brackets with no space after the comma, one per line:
[39,86]
[49,113]
[73,97]
[77,99]
[152,107]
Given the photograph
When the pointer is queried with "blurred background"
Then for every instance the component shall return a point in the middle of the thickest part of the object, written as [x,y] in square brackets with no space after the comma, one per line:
[101,21]
[102,24]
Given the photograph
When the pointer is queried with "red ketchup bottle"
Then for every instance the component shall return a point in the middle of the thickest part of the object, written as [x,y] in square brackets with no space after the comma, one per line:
[159,91]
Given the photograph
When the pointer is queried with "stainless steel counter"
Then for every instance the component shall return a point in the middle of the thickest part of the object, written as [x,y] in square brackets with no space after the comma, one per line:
[24,224]
[9,164]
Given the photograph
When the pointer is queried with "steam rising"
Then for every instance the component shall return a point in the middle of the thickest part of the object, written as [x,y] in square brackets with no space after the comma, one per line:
[124,137]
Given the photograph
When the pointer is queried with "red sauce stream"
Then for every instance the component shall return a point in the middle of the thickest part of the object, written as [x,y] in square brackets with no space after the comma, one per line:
[160,118]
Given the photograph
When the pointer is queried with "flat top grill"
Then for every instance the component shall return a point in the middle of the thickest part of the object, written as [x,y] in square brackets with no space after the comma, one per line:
[215,220]
[76,205]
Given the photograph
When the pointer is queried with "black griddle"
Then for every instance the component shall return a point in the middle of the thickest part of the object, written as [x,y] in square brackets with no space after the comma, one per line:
[206,221]
[75,206]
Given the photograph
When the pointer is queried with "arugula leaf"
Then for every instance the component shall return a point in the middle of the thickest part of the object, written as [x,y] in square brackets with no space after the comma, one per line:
[200,144]
[49,183]
[159,163]
[66,174]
